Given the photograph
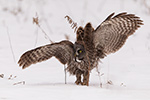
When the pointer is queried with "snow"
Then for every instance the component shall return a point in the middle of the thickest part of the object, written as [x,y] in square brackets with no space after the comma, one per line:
[128,70]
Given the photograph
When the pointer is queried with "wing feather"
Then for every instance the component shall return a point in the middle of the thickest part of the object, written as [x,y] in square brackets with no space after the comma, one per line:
[63,51]
[112,33]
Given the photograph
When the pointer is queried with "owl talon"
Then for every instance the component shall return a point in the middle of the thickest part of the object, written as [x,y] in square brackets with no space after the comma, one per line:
[86,78]
[85,83]
[78,82]
[82,83]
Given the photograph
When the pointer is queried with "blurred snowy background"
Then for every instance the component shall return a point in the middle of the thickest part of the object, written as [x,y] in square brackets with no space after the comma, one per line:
[125,75]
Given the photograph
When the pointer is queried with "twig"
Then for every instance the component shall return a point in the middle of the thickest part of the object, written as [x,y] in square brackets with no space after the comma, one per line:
[10,44]
[11,77]
[73,24]
[22,82]
[99,75]
[110,82]
[46,36]
[67,37]
[122,85]
[36,39]
[1,75]
[108,70]
[65,74]
[36,21]
[49,28]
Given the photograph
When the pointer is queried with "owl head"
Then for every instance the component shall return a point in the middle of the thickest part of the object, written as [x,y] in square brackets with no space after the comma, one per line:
[79,52]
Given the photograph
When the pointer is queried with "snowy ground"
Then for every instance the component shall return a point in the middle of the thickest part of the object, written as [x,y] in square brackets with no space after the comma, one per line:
[128,69]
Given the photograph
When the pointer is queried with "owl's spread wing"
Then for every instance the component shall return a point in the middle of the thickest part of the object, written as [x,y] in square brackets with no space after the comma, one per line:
[63,51]
[112,33]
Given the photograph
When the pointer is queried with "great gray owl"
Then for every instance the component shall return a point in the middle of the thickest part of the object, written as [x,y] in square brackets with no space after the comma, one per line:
[90,46]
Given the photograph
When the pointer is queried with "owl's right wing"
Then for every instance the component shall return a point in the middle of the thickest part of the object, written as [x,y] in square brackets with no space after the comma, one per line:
[112,33]
[63,51]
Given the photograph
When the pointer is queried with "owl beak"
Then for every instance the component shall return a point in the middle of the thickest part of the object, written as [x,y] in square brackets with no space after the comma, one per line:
[76,58]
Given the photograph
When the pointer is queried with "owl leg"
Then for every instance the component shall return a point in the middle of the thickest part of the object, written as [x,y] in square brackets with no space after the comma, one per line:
[78,76]
[86,78]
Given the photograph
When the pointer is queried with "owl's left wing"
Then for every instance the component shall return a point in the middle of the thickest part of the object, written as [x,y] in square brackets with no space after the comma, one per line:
[63,51]
[112,33]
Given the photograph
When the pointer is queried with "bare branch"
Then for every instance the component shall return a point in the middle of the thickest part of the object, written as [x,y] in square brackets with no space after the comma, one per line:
[22,82]
[10,44]
[36,21]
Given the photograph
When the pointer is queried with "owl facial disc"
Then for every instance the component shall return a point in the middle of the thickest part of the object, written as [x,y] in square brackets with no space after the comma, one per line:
[79,52]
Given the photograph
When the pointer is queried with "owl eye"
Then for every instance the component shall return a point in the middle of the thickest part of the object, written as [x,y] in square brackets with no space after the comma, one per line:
[79,51]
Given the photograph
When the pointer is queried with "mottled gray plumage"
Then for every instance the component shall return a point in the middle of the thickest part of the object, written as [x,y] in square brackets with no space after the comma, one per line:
[113,32]
[90,46]
[63,51]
